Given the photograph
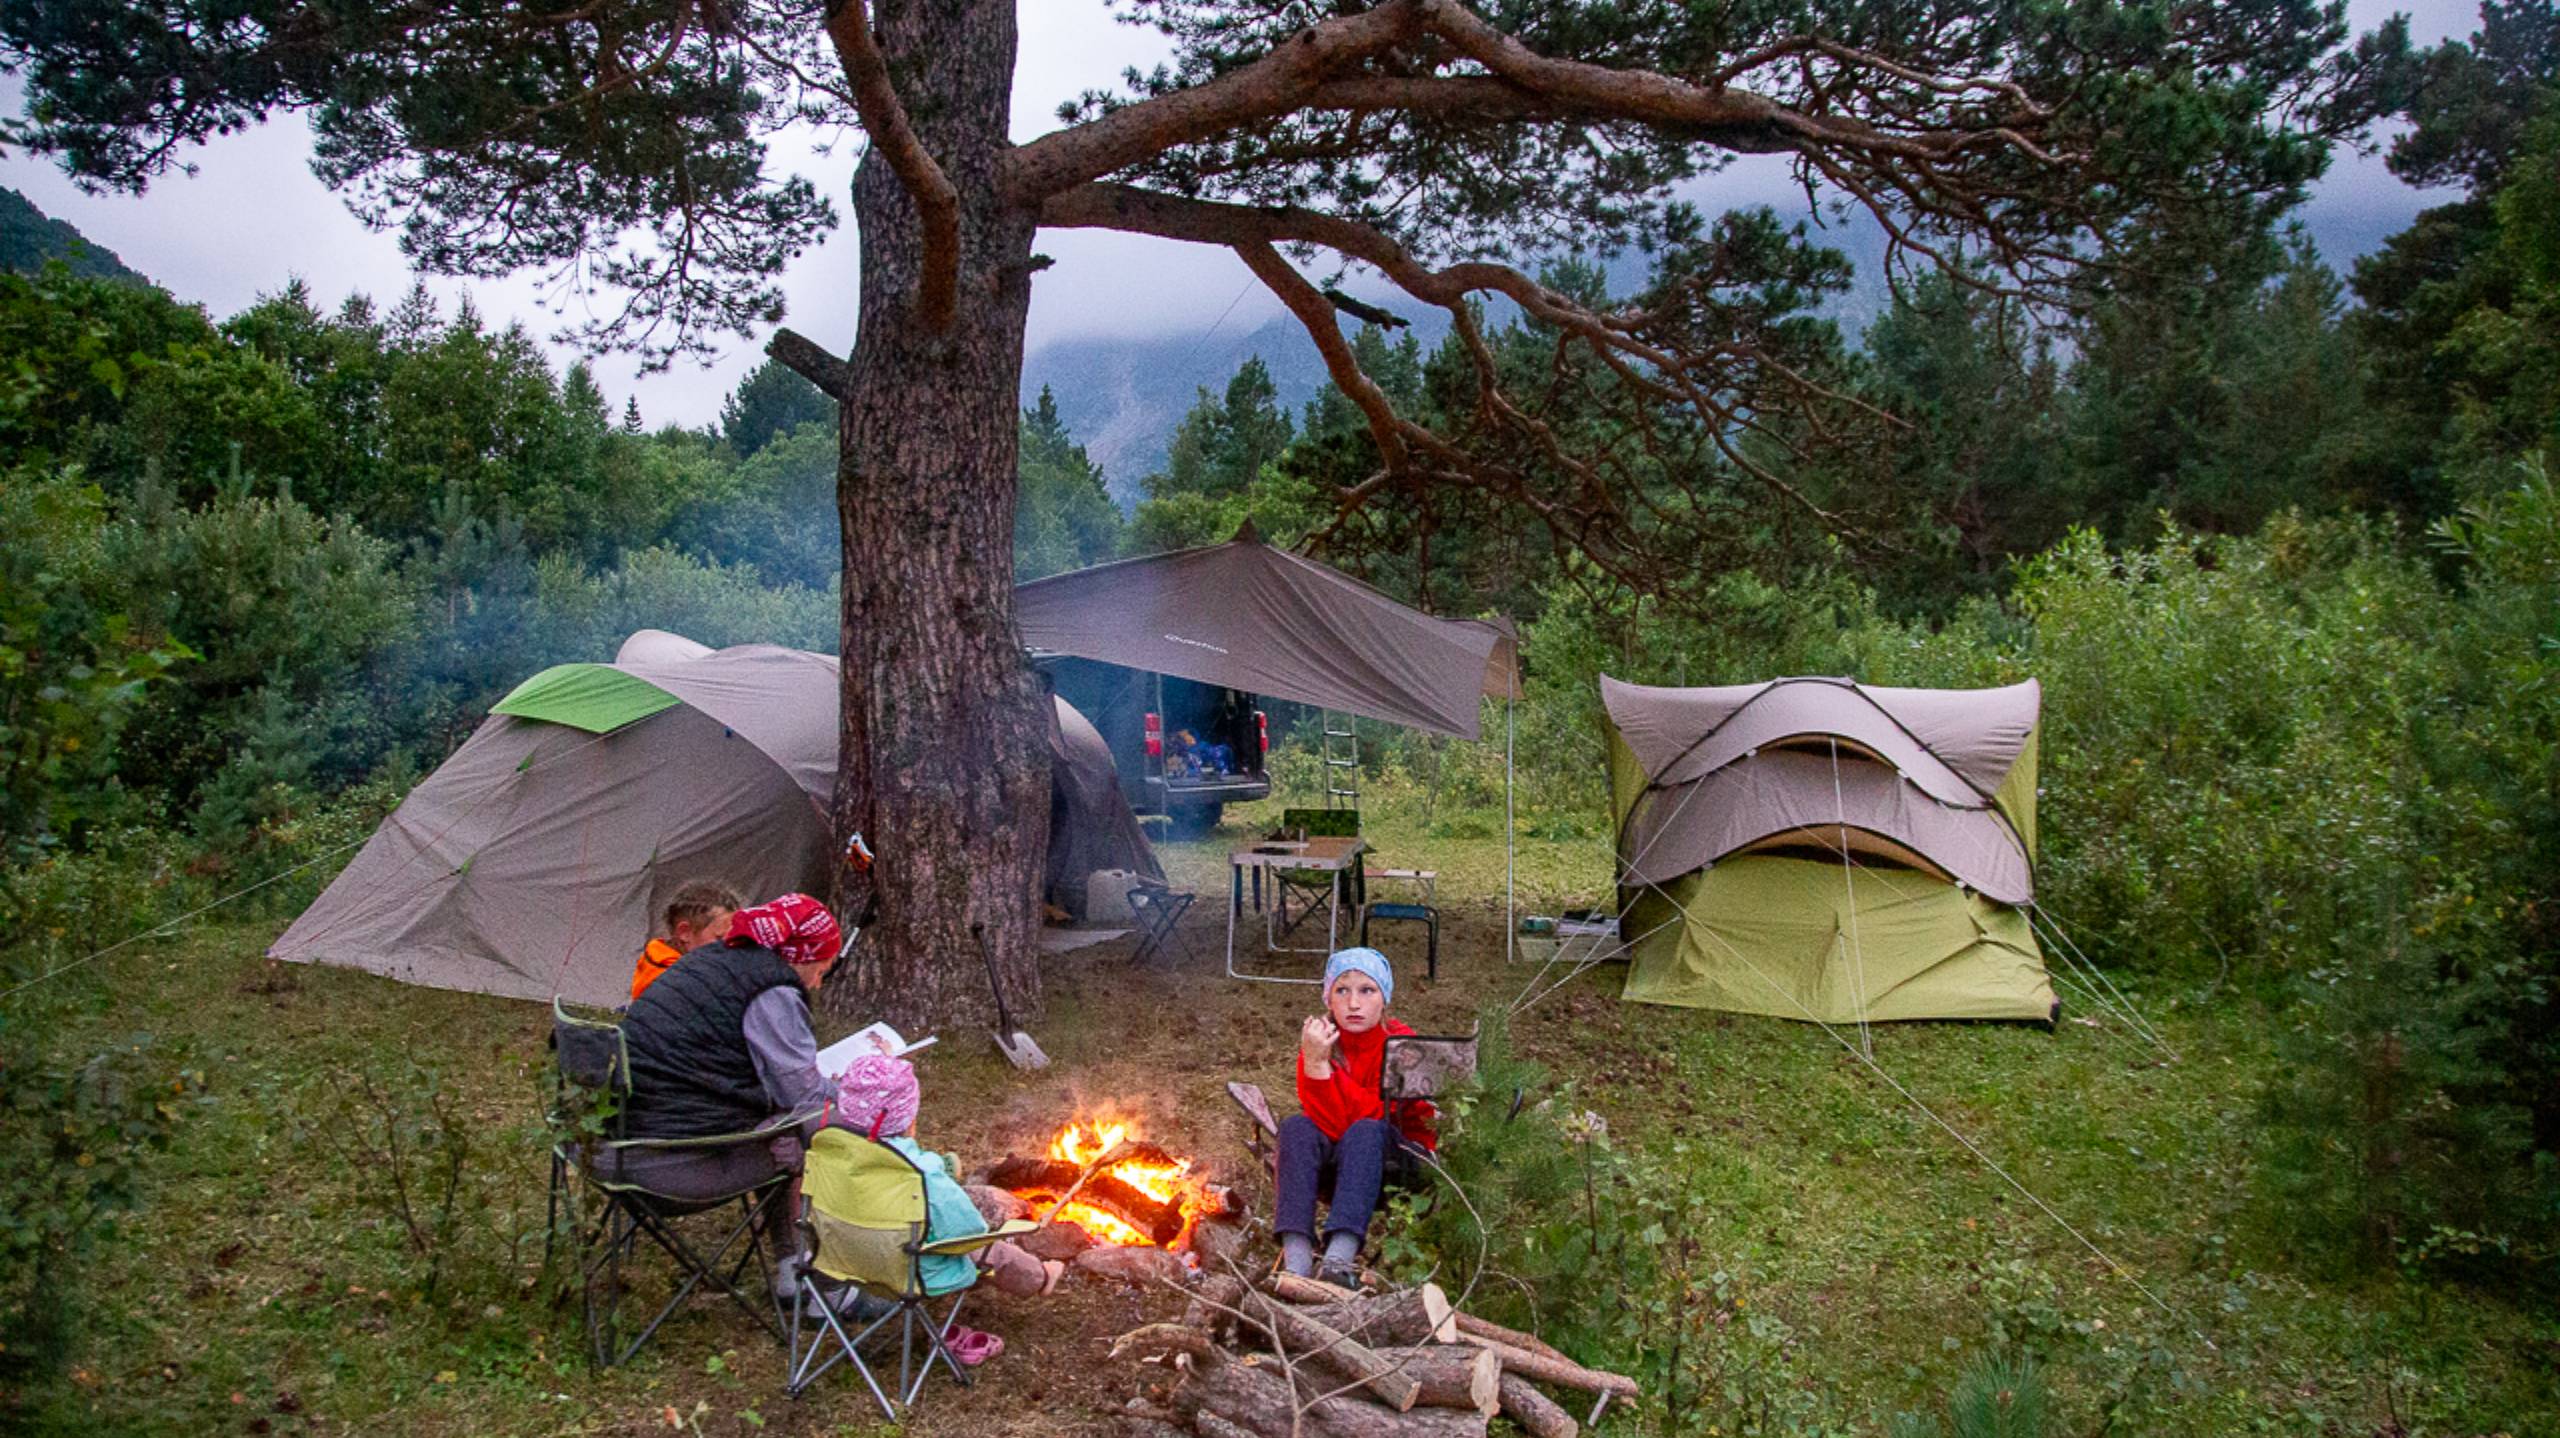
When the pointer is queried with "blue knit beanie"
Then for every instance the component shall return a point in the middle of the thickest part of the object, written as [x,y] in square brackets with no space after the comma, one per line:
[1362,961]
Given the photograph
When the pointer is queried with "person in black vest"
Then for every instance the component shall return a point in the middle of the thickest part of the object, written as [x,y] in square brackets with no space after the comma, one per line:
[721,1043]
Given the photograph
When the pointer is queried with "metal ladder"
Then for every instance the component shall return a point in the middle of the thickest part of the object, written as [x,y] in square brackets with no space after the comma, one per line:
[1341,761]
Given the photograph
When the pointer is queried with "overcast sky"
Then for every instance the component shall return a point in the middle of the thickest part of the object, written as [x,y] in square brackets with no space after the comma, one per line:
[254,216]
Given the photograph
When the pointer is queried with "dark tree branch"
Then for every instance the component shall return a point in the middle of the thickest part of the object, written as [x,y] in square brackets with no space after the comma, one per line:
[810,360]
[1273,86]
[1363,311]
[885,120]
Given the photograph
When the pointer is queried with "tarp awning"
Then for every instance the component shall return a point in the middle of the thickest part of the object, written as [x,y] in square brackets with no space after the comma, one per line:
[1248,616]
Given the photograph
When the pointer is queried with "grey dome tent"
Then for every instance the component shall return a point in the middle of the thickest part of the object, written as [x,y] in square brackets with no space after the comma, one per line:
[1822,849]
[532,861]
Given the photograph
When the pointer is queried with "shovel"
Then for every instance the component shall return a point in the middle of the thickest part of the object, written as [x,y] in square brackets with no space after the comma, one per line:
[1017,1046]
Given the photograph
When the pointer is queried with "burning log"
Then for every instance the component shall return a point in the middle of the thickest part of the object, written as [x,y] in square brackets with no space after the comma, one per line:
[1161,1222]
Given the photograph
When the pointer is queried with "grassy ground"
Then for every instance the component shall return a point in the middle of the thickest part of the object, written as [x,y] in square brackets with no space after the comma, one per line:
[1852,1255]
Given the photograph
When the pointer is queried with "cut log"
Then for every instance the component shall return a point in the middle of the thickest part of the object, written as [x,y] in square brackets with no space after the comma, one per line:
[1061,1241]
[1538,1415]
[1216,1299]
[1308,1290]
[1561,1372]
[1219,1243]
[1134,1425]
[1417,1315]
[1162,1340]
[1144,1267]
[1329,1352]
[1253,1396]
[996,1205]
[1047,1178]
[1452,1376]
[1508,1337]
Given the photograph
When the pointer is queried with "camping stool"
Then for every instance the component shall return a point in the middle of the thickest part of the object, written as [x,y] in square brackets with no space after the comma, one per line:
[1159,908]
[1423,912]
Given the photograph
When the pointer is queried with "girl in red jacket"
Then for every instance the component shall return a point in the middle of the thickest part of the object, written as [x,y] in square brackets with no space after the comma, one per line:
[1346,1140]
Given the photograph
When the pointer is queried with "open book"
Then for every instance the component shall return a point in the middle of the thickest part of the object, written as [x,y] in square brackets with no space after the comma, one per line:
[836,1057]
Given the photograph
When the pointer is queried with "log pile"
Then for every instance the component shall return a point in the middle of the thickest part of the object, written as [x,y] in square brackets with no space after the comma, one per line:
[1296,1356]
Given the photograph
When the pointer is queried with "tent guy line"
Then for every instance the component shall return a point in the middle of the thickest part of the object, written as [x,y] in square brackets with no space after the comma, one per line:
[1849,882]
[167,926]
[2117,1266]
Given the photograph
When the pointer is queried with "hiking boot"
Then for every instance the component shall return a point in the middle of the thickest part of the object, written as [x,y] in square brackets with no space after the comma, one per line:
[1340,1273]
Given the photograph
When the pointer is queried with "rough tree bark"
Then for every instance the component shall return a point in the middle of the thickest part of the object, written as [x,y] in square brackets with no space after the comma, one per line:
[943,766]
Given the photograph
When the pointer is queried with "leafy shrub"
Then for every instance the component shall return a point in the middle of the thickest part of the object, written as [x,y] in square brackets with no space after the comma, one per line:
[75,1135]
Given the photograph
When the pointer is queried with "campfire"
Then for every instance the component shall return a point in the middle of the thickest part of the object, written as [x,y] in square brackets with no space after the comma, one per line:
[1120,1189]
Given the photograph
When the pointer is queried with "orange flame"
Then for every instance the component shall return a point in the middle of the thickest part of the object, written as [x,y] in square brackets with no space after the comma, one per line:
[1169,1183]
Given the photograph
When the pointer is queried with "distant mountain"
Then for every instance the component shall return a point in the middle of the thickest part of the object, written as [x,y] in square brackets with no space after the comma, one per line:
[30,238]
[1122,397]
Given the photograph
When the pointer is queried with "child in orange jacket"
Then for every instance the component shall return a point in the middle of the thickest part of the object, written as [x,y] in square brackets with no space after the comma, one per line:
[699,914]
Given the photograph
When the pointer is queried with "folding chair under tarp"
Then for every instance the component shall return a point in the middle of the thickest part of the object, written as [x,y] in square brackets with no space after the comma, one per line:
[863,1210]
[1339,890]
[592,1082]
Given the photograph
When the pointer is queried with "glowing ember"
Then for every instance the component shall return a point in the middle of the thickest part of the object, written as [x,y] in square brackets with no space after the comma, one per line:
[1165,1180]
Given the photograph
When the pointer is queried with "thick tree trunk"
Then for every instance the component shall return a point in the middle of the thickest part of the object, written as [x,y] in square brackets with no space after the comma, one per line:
[944,769]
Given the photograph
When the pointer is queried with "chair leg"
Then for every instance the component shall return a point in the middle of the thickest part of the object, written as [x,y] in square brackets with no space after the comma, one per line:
[601,1272]
[697,1268]
[806,1369]
[1431,967]
[936,1337]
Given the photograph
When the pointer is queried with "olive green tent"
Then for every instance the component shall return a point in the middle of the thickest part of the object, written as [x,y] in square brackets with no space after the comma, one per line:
[1822,849]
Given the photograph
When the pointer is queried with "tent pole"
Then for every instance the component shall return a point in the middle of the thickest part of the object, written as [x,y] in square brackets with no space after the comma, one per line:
[1510,840]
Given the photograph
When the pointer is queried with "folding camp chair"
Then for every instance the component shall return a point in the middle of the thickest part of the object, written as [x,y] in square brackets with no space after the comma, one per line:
[593,1081]
[1158,909]
[1318,887]
[863,1210]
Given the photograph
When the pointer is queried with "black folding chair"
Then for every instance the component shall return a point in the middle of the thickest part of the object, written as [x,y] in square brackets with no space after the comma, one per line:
[592,1082]
[1159,908]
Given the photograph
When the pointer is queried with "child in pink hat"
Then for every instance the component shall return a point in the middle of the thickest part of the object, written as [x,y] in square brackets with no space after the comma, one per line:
[878,1097]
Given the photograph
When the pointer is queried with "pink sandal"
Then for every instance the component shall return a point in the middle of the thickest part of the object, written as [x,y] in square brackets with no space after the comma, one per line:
[972,1346]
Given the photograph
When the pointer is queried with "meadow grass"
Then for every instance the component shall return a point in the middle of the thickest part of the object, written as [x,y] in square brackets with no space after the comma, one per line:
[1847,1256]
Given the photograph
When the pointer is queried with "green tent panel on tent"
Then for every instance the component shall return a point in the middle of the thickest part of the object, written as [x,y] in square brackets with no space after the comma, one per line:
[595,697]
[1771,934]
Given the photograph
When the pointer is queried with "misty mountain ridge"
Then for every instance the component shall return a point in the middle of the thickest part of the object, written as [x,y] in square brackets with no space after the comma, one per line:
[1122,397]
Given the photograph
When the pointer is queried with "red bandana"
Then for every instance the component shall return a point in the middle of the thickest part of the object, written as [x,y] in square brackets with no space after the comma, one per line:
[795,926]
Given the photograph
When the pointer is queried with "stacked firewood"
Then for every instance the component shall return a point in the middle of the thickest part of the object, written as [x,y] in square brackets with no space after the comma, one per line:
[1293,1358]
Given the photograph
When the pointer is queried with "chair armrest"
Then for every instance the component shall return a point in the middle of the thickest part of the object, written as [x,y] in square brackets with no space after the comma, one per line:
[1249,1098]
[788,1123]
[969,1243]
